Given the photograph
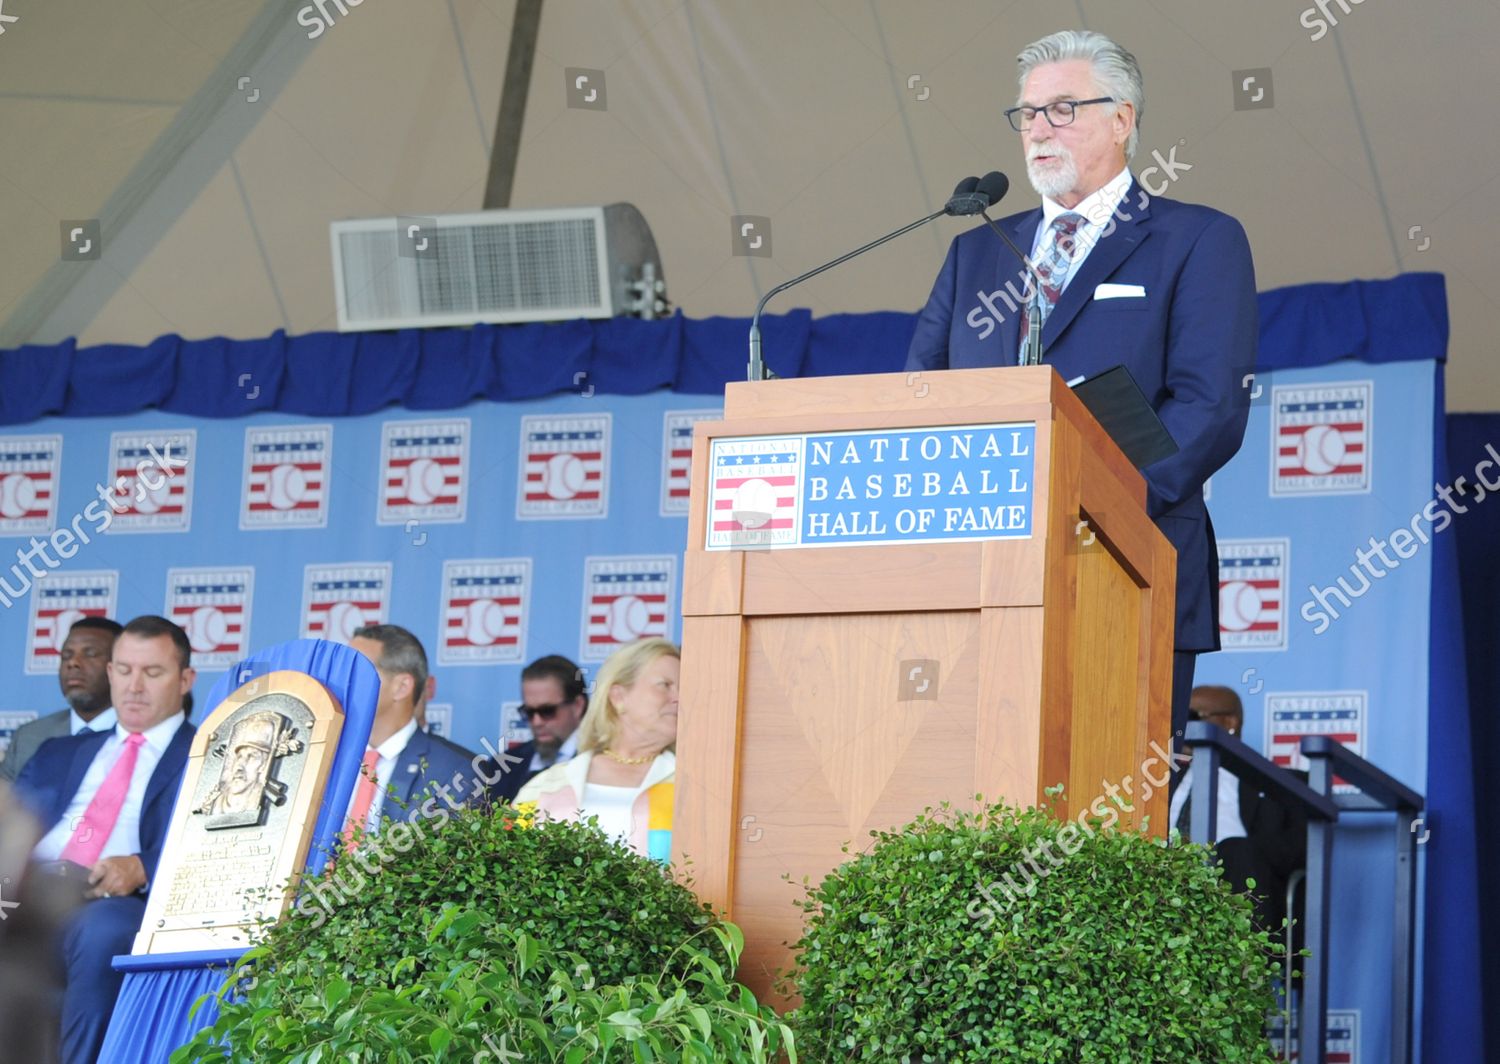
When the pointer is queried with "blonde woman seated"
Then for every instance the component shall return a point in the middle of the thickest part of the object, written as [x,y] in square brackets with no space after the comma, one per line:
[626,761]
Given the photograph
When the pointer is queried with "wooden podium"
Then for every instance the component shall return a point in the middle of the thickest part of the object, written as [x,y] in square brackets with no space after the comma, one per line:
[830,690]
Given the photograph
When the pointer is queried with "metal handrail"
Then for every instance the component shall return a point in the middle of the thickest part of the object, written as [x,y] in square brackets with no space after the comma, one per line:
[1378,792]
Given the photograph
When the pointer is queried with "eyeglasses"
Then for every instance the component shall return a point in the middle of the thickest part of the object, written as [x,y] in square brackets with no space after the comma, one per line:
[545,712]
[1060,113]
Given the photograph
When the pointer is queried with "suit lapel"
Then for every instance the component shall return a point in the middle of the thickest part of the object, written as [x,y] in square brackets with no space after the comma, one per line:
[1103,259]
[168,770]
[403,779]
[83,756]
[1022,229]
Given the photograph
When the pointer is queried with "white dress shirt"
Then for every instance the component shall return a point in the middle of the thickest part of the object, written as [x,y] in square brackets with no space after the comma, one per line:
[613,806]
[103,722]
[125,839]
[1230,826]
[385,767]
[1096,210]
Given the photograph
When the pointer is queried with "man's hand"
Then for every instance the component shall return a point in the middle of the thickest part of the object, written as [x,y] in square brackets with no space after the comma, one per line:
[116,877]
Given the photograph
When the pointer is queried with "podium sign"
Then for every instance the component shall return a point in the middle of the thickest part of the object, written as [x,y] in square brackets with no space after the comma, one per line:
[922,485]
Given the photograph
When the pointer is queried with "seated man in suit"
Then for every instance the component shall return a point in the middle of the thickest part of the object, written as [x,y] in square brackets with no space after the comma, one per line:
[1166,289]
[553,699]
[1257,836]
[83,675]
[401,761]
[104,800]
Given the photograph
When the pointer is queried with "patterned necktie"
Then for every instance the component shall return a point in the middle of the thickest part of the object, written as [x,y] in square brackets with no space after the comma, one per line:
[99,819]
[364,798]
[1057,256]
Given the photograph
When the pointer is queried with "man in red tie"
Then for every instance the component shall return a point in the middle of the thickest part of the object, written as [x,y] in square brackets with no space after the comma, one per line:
[104,800]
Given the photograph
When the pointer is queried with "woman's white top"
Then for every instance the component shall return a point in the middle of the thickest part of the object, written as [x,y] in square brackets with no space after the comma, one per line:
[612,806]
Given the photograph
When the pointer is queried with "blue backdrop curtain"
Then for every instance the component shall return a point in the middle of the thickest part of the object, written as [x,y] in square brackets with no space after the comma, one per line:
[331,375]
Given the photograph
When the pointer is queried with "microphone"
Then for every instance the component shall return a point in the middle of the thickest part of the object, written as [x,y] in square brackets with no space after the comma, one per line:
[995,185]
[970,196]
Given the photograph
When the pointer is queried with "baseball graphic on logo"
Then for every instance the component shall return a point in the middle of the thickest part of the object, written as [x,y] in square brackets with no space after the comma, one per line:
[344,619]
[1321,449]
[754,502]
[150,499]
[60,625]
[286,487]
[483,622]
[565,476]
[17,495]
[1239,606]
[207,629]
[627,619]
[424,481]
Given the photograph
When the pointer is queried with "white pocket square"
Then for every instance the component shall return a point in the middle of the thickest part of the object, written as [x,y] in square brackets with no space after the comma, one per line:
[1119,291]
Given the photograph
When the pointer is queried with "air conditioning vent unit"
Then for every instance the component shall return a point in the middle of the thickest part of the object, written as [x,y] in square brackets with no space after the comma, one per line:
[496,266]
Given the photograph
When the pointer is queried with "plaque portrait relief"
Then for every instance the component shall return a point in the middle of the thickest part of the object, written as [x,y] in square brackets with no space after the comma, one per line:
[247,772]
[251,794]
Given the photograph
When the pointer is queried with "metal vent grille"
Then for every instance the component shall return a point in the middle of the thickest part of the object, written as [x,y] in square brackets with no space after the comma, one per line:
[504,266]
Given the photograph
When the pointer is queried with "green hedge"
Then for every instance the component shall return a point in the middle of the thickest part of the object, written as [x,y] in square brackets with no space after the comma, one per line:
[1125,949]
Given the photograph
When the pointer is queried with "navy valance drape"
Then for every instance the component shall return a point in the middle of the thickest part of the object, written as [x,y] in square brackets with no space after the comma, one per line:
[344,374]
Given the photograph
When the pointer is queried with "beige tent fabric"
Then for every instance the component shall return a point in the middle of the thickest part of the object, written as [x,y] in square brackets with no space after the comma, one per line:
[216,140]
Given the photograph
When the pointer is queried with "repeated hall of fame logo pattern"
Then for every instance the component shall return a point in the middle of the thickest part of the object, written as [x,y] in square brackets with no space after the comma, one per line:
[288,473]
[213,607]
[424,471]
[564,466]
[485,611]
[1320,442]
[57,603]
[338,600]
[151,474]
[1253,593]
[30,467]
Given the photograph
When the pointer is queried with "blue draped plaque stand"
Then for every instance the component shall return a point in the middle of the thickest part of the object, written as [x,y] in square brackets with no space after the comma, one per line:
[151,1017]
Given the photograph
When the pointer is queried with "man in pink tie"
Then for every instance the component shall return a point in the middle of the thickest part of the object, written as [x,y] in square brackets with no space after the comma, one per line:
[104,800]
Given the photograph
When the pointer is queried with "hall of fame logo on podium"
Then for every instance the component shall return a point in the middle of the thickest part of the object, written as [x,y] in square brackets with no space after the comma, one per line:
[1320,441]
[677,458]
[564,466]
[755,492]
[1252,593]
[57,603]
[287,476]
[30,467]
[151,480]
[424,471]
[625,599]
[338,600]
[485,605]
[213,608]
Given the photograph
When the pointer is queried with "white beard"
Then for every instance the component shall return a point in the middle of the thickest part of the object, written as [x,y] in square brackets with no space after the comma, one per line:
[1057,180]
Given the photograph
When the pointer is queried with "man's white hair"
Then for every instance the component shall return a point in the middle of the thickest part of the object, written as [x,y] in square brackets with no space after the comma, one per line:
[1115,69]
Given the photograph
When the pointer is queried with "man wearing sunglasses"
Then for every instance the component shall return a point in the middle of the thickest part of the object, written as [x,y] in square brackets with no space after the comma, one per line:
[1128,277]
[553,697]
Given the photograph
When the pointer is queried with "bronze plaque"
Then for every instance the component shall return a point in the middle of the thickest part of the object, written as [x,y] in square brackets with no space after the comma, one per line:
[244,818]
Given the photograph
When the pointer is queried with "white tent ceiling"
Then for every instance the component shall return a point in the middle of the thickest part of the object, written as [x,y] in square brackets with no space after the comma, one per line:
[836,119]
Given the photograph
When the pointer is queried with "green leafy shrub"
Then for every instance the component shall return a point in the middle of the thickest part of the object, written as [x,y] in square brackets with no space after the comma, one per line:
[1125,950]
[481,935]
[485,992]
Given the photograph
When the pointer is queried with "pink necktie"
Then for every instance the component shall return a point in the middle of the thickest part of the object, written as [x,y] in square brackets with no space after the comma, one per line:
[99,818]
[364,797]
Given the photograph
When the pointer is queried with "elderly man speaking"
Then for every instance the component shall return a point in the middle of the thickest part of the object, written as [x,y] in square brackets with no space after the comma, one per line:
[1166,289]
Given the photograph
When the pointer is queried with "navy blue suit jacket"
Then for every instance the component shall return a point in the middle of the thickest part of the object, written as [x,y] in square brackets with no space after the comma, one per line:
[429,760]
[51,778]
[1189,342]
